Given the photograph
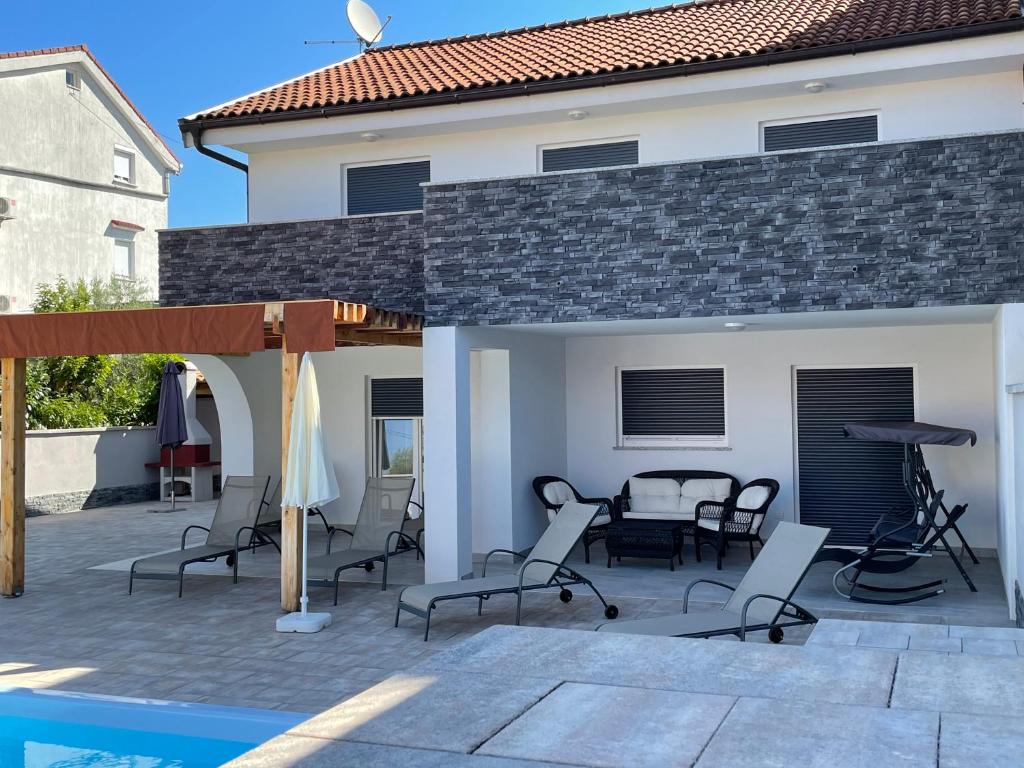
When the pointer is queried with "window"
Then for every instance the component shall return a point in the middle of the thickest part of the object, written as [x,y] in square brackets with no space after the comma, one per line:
[387,188]
[124,166]
[847,485]
[820,133]
[672,407]
[605,155]
[124,259]
[73,79]
[396,429]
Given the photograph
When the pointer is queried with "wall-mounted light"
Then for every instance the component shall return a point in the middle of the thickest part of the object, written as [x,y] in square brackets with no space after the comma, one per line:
[815,86]
[579,114]
[370,136]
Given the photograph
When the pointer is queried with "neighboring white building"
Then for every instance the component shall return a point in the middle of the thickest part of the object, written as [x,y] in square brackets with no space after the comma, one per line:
[837,192]
[89,176]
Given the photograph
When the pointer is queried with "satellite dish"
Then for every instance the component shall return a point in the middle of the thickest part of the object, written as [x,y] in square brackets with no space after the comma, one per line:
[365,22]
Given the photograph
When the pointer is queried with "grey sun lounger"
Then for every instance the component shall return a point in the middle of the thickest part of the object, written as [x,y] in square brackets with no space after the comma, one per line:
[376,535]
[544,568]
[761,601]
[238,509]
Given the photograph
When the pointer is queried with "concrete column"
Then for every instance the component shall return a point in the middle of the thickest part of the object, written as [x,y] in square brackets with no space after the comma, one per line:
[447,484]
[1009,398]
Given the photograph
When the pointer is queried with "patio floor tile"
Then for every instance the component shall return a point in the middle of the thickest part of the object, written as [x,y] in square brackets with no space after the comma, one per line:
[983,646]
[306,752]
[607,727]
[982,685]
[760,732]
[987,633]
[941,644]
[453,711]
[973,741]
[871,637]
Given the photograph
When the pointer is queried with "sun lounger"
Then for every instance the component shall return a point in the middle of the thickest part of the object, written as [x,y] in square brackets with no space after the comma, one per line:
[544,568]
[238,509]
[376,535]
[761,601]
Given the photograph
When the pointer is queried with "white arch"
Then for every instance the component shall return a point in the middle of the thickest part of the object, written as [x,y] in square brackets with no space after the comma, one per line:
[233,413]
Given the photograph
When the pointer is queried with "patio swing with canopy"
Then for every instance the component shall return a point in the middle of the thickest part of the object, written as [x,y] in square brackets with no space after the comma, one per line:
[902,537]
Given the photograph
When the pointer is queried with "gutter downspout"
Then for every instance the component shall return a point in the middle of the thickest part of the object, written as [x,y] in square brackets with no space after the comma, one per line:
[197,141]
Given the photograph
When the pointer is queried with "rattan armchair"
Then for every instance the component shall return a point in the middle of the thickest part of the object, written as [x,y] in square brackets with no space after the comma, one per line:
[554,491]
[738,518]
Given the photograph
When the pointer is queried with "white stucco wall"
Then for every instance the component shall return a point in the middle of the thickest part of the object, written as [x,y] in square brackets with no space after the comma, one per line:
[56,160]
[288,183]
[65,460]
[1008,340]
[954,379]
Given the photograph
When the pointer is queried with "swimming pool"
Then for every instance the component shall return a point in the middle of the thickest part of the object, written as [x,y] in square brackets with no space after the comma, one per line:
[47,729]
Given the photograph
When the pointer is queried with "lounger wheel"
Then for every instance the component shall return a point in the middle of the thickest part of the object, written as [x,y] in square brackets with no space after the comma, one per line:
[565,595]
[775,634]
[368,567]
[231,561]
[611,612]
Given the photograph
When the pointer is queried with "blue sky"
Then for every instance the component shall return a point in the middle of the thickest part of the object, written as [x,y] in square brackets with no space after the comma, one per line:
[173,59]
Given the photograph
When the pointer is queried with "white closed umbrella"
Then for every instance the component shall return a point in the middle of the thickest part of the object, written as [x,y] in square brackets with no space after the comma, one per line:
[309,481]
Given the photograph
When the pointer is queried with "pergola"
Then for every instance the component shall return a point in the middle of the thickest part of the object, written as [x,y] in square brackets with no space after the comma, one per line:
[293,327]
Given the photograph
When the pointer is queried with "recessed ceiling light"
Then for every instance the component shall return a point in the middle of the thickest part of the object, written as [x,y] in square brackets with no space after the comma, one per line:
[370,136]
[815,86]
[736,326]
[578,114]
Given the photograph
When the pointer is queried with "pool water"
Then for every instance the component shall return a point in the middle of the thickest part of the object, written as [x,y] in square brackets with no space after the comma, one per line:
[46,729]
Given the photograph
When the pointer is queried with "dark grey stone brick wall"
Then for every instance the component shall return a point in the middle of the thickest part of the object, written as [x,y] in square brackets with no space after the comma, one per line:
[73,501]
[897,225]
[375,260]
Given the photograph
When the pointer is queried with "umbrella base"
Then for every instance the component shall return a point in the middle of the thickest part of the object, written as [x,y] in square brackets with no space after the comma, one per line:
[305,623]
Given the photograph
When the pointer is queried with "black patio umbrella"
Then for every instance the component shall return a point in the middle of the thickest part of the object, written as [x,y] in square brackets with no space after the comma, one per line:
[171,429]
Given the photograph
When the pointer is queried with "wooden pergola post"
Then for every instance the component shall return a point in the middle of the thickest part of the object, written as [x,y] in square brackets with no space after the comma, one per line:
[12,476]
[291,517]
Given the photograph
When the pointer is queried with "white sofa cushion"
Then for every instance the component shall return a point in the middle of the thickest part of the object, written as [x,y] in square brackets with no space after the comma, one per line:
[653,498]
[558,493]
[702,489]
[753,497]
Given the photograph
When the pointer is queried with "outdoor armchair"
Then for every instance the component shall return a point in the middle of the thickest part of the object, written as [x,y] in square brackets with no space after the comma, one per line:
[554,492]
[738,518]
[375,537]
[231,530]
[543,567]
[763,600]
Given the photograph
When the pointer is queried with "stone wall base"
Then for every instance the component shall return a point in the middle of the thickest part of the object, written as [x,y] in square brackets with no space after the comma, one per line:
[74,501]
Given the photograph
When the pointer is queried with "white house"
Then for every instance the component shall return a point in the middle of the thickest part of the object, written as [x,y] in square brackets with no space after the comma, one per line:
[85,176]
[767,191]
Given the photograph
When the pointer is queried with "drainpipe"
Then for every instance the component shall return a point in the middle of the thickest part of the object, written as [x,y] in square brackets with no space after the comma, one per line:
[197,140]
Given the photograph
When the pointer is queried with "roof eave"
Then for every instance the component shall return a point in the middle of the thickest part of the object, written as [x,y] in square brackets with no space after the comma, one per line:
[187,124]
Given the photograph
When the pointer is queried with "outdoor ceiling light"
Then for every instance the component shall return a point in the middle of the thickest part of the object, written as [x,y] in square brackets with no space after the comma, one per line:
[370,136]
[736,326]
[815,86]
[579,114]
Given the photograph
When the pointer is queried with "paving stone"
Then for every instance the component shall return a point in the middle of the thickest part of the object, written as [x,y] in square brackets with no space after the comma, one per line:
[607,727]
[883,638]
[306,752]
[973,741]
[940,644]
[759,732]
[808,673]
[979,646]
[982,685]
[987,633]
[453,711]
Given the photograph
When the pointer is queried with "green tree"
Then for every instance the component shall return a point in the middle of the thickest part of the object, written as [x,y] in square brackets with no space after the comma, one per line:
[93,390]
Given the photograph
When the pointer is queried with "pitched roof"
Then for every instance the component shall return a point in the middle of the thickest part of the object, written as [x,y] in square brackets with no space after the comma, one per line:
[689,34]
[82,48]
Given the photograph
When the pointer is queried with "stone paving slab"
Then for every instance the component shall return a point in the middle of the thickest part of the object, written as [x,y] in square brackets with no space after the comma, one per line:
[980,685]
[455,711]
[974,741]
[307,752]
[941,638]
[761,732]
[604,726]
[680,664]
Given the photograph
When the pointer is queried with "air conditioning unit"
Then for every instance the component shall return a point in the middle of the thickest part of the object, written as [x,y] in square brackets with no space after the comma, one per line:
[7,206]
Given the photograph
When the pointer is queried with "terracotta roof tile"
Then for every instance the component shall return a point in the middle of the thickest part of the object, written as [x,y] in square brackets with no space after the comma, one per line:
[657,37]
[85,49]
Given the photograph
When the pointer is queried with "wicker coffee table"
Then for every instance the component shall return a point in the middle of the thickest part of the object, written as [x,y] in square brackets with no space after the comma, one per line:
[662,539]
